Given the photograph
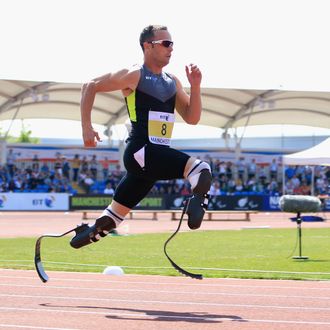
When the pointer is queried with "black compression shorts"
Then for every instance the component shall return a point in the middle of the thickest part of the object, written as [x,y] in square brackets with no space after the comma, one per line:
[145,164]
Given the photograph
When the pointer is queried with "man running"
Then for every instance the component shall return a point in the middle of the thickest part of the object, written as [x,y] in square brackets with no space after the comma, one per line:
[151,96]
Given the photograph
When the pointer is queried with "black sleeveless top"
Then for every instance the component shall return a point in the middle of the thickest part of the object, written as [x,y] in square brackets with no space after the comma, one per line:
[151,108]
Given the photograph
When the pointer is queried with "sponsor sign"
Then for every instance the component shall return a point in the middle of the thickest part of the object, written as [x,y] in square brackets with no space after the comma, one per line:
[176,202]
[237,203]
[99,202]
[225,203]
[89,202]
[272,203]
[34,202]
[152,203]
[27,153]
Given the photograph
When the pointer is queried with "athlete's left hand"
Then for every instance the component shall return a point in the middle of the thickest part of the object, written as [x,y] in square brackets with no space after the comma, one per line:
[194,75]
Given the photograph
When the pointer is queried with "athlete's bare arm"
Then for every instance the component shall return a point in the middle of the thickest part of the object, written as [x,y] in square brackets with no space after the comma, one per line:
[124,80]
[190,106]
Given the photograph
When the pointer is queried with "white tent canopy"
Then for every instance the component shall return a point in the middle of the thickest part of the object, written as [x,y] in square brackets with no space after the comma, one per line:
[222,108]
[317,155]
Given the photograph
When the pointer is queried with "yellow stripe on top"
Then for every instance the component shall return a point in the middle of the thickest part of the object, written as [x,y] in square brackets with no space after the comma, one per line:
[130,99]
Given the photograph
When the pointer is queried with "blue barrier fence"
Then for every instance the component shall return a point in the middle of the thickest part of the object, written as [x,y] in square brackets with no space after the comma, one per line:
[171,202]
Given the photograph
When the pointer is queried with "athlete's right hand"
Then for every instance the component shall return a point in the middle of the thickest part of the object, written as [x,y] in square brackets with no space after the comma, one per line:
[90,137]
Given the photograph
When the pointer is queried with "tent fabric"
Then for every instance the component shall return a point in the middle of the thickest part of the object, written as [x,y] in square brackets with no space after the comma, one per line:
[222,108]
[317,155]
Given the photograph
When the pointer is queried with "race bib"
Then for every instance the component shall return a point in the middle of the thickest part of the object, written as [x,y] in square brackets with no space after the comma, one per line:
[160,127]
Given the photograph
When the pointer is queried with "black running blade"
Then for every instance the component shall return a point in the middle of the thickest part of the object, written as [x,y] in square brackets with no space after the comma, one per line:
[177,267]
[37,255]
[37,262]
[185,272]
[40,270]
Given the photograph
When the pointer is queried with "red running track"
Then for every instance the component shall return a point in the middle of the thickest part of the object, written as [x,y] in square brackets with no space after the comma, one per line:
[87,301]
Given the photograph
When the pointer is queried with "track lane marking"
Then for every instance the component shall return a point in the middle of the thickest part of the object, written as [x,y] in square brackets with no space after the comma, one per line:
[3,325]
[165,302]
[165,316]
[56,287]
[181,284]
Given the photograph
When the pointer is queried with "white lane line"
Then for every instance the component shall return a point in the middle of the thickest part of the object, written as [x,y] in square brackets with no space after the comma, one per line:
[164,302]
[155,315]
[56,287]
[128,281]
[285,321]
[64,264]
[20,326]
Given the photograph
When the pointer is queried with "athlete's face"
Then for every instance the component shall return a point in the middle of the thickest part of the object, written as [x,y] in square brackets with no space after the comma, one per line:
[160,47]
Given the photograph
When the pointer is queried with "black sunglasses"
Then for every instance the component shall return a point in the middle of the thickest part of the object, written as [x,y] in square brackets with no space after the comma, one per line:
[164,43]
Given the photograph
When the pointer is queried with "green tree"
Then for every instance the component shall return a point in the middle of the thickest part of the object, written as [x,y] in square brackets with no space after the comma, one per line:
[24,137]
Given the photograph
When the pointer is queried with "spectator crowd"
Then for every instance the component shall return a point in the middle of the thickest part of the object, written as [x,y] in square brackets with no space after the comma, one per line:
[94,176]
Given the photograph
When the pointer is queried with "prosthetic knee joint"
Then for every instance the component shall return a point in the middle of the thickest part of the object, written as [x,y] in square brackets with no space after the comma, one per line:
[200,179]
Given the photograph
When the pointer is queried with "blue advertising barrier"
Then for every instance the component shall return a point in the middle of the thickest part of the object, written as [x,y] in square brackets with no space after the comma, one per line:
[242,202]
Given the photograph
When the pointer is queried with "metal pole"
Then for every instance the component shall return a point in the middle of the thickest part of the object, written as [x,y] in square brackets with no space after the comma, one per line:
[300,257]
